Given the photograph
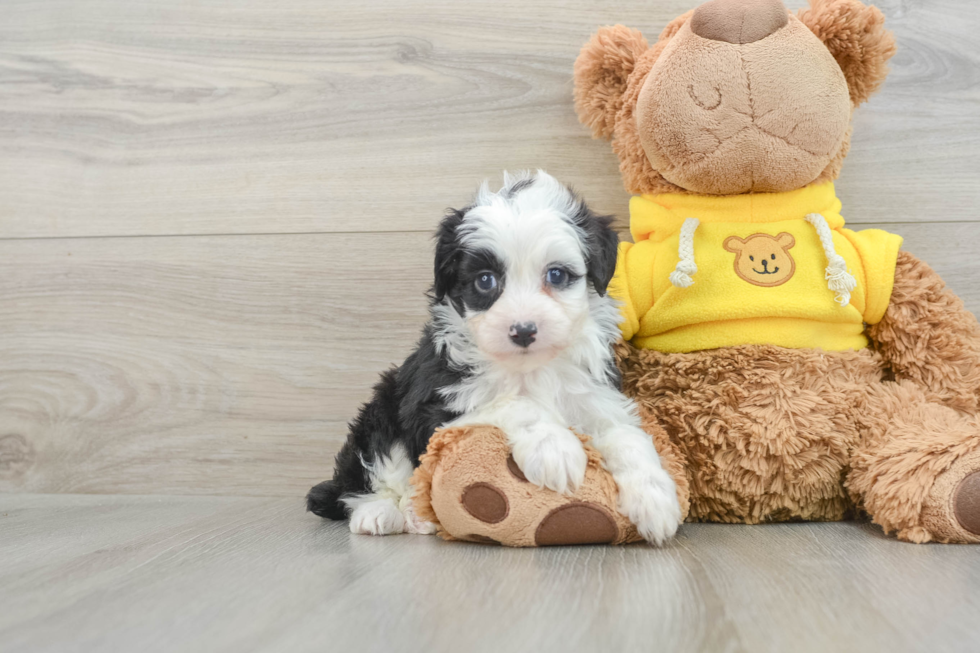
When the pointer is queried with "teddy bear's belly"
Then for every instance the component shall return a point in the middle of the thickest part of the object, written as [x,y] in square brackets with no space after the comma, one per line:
[766,432]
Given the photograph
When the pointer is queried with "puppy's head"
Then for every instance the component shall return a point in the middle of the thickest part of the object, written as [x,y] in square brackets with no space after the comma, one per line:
[521,266]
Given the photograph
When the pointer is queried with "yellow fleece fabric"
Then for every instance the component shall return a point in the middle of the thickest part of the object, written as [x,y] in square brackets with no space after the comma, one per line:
[724,307]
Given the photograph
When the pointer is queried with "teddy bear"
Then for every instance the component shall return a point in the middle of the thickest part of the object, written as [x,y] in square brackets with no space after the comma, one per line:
[801,370]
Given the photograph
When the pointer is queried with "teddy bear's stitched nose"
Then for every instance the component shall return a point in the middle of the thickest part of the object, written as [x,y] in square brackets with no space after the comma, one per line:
[738,21]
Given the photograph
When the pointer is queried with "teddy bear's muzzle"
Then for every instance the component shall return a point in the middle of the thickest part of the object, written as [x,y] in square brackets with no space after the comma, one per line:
[738,21]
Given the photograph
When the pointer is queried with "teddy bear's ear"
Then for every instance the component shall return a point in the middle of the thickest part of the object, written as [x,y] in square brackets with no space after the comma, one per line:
[675,26]
[602,71]
[856,36]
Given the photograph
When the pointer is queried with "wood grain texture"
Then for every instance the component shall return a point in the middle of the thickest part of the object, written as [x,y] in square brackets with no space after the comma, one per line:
[214,234]
[241,116]
[221,365]
[83,573]
[226,365]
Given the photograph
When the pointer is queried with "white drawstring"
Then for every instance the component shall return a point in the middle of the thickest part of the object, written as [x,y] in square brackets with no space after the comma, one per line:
[839,278]
[681,276]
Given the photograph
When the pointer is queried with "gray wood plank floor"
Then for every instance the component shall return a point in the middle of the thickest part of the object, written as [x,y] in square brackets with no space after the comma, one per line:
[143,573]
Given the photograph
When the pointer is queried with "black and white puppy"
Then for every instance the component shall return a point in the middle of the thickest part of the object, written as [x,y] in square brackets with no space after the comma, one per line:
[521,337]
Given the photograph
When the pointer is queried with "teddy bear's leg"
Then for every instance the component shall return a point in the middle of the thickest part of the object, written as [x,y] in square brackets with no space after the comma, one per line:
[917,469]
[469,484]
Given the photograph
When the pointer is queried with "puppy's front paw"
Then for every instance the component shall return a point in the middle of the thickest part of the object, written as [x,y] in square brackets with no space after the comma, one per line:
[551,456]
[649,499]
[380,517]
[415,524]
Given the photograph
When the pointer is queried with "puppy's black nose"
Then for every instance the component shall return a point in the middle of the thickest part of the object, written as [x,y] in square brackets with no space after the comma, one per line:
[523,334]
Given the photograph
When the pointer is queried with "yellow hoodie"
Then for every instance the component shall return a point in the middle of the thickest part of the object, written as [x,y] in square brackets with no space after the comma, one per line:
[769,268]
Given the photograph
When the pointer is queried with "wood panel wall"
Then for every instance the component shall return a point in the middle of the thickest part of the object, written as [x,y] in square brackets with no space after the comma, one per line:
[215,216]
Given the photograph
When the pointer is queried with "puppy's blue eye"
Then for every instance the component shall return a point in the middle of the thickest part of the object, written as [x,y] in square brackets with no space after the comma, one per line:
[486,282]
[557,276]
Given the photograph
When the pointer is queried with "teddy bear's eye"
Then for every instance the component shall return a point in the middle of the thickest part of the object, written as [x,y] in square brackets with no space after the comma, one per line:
[774,257]
[751,258]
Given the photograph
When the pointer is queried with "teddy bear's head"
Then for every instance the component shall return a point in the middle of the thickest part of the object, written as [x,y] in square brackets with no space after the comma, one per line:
[736,96]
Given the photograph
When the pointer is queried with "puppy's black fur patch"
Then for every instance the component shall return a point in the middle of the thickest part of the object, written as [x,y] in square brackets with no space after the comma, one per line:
[406,408]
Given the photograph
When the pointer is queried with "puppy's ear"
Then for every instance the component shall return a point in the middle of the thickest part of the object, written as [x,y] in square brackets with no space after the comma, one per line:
[602,71]
[601,245]
[856,36]
[448,253]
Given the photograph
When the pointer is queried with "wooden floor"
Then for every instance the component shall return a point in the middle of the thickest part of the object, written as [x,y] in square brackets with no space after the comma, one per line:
[215,223]
[142,573]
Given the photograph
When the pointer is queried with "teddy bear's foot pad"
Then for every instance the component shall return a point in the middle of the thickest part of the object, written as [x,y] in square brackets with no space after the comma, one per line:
[485,502]
[951,511]
[966,503]
[577,523]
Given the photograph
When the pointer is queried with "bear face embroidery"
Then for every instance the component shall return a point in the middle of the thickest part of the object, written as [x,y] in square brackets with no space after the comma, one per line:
[763,260]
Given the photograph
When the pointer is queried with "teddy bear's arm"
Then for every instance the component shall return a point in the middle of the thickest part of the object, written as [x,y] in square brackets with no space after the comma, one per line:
[927,336]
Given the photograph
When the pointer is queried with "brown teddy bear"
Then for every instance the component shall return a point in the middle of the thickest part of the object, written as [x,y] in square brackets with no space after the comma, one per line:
[802,370]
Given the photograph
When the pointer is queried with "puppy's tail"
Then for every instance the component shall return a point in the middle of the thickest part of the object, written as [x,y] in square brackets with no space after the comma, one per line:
[324,500]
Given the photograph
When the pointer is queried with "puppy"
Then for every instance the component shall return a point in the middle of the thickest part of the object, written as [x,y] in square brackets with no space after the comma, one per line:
[520,337]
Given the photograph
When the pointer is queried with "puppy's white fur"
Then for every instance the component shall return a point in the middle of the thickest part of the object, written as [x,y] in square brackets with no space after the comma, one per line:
[388,509]
[536,394]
